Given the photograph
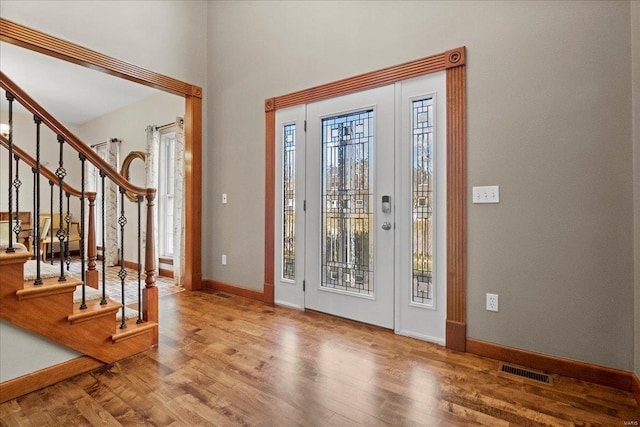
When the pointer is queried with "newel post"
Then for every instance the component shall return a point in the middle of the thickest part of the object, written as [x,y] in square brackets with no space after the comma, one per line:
[150,292]
[92,248]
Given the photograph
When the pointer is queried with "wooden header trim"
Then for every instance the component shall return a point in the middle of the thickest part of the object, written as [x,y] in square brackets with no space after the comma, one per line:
[440,62]
[43,170]
[31,39]
[52,123]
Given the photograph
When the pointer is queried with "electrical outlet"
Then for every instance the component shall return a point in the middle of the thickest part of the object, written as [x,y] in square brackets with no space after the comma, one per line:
[224,198]
[492,302]
[224,260]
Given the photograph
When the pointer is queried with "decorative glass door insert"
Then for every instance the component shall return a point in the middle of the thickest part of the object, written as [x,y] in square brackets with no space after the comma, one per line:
[422,200]
[347,205]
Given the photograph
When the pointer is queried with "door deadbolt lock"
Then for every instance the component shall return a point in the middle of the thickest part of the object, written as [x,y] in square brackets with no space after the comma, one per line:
[386,225]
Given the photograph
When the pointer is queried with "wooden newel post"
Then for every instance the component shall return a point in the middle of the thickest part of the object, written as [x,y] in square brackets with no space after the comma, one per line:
[92,248]
[150,292]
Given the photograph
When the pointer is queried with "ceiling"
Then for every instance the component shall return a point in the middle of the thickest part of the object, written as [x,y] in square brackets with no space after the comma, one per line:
[72,93]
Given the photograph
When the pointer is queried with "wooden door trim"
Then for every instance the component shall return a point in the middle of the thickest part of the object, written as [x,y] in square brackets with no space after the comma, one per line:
[454,63]
[28,38]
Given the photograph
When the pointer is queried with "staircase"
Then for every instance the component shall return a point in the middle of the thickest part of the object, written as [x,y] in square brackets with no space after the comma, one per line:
[73,311]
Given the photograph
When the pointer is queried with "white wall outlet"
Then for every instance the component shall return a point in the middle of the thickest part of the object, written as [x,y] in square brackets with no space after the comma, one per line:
[224,260]
[224,198]
[488,194]
[492,302]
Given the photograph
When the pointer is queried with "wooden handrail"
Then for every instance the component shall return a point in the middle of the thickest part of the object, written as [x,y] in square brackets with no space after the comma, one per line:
[8,85]
[43,170]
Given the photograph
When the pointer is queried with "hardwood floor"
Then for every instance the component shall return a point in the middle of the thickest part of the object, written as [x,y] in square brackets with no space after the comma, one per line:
[234,361]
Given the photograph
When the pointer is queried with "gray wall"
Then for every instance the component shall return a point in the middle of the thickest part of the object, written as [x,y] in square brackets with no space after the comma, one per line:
[635,47]
[549,110]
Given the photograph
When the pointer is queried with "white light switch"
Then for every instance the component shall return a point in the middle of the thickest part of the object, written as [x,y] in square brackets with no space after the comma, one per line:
[489,194]
[224,198]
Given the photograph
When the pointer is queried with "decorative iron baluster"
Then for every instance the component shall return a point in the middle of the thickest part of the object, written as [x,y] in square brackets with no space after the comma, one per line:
[10,249]
[61,234]
[104,245]
[83,306]
[16,184]
[36,202]
[67,220]
[51,224]
[123,273]
[139,260]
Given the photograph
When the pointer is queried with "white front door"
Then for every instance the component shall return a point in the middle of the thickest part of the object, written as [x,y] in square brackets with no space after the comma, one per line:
[361,229]
[350,214]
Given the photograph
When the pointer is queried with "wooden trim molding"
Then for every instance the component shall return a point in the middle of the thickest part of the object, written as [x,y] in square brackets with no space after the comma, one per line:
[28,38]
[615,378]
[216,285]
[635,387]
[454,63]
[456,332]
[45,377]
[165,273]
[37,41]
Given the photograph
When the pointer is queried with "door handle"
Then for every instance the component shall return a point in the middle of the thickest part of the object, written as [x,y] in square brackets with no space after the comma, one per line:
[386,225]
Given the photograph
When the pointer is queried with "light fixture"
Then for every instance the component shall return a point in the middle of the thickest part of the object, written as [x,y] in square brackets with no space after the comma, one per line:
[4,130]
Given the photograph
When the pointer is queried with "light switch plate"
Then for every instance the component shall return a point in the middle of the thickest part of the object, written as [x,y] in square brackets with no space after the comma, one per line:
[487,194]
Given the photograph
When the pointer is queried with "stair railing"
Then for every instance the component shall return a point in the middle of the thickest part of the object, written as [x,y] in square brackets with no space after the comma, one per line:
[148,298]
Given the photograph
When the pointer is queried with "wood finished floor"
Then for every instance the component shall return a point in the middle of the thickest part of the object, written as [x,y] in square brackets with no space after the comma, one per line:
[234,361]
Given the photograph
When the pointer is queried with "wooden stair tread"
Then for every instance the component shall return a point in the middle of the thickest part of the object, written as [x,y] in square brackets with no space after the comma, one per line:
[15,257]
[49,286]
[133,329]
[94,309]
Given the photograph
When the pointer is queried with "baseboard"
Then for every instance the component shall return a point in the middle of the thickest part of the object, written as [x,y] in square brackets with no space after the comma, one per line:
[615,378]
[45,377]
[635,387]
[233,289]
[165,273]
[161,271]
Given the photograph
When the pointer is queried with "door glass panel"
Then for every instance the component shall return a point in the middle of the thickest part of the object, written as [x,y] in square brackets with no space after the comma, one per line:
[347,211]
[422,209]
[289,202]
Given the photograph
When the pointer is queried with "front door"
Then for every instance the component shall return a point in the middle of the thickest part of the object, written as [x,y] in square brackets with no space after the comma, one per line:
[362,221]
[350,206]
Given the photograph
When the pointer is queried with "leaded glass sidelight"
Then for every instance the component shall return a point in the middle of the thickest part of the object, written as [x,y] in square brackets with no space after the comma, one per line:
[422,201]
[347,211]
[289,202]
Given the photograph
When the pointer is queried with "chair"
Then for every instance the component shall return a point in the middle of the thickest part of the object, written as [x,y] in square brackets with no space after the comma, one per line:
[45,225]
[4,231]
[54,226]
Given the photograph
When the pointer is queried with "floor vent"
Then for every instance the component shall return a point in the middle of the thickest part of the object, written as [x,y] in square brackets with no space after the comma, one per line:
[530,374]
[222,295]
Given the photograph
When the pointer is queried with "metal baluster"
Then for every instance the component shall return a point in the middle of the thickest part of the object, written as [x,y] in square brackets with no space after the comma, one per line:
[104,244]
[36,201]
[67,220]
[140,198]
[83,306]
[51,225]
[61,234]
[10,98]
[16,184]
[123,273]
